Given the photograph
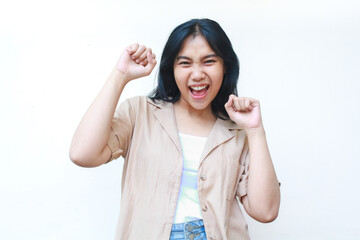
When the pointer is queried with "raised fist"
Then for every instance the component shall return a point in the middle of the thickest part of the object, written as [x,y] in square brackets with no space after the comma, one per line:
[136,61]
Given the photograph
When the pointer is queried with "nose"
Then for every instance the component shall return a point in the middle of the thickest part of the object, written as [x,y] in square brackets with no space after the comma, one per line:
[197,73]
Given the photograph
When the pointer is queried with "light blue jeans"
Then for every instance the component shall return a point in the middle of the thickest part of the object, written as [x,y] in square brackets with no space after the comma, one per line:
[192,230]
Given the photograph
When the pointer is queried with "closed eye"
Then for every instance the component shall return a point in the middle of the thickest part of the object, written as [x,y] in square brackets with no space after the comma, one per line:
[184,63]
[210,61]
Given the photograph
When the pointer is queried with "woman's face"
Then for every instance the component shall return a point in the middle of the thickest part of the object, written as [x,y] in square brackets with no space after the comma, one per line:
[198,73]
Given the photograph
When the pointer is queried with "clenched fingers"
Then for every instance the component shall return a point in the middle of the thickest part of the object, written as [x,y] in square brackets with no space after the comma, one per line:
[150,62]
[241,104]
[139,53]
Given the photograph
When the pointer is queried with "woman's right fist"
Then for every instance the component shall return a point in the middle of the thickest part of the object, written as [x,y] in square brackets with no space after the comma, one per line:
[136,61]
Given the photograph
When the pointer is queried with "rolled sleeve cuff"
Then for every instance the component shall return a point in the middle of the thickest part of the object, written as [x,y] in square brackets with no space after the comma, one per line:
[243,187]
[113,144]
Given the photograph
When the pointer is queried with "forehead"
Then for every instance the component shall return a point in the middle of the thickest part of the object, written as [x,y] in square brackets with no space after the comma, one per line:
[195,46]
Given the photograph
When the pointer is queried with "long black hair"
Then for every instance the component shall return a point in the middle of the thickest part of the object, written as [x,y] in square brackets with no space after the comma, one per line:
[167,89]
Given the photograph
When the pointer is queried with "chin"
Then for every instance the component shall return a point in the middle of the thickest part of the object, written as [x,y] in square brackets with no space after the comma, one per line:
[201,107]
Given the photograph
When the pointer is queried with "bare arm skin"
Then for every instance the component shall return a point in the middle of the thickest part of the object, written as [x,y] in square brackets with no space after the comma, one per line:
[89,144]
[263,195]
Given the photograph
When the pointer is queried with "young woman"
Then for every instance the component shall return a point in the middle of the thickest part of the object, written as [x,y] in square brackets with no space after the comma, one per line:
[192,149]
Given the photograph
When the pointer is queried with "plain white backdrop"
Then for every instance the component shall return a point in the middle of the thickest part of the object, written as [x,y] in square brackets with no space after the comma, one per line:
[300,58]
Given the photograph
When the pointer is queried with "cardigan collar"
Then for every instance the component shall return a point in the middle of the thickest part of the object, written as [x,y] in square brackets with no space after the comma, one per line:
[222,131]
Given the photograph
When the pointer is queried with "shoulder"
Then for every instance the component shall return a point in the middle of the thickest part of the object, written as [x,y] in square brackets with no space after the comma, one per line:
[142,100]
[143,104]
[229,124]
[135,102]
[230,127]
[147,102]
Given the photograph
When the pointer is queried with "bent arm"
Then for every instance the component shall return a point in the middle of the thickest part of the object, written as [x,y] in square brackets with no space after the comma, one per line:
[263,193]
[89,144]
[262,200]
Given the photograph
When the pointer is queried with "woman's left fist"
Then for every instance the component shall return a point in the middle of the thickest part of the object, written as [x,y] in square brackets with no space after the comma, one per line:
[244,111]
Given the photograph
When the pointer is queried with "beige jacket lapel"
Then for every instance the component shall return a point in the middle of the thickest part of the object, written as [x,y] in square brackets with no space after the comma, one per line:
[221,132]
[164,113]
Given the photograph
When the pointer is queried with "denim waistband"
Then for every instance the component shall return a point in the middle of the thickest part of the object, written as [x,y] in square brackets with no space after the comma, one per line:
[192,230]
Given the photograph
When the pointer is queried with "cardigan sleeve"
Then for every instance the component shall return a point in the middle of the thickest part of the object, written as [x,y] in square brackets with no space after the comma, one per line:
[121,129]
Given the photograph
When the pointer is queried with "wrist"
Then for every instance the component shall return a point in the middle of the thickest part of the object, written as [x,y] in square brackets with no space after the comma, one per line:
[119,77]
[255,131]
[117,80]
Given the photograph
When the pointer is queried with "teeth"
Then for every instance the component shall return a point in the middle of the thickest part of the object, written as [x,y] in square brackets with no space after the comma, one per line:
[198,88]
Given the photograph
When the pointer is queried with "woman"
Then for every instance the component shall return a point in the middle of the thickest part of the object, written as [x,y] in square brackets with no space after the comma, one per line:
[191,149]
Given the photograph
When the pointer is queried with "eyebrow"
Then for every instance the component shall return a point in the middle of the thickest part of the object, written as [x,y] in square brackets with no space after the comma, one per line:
[187,58]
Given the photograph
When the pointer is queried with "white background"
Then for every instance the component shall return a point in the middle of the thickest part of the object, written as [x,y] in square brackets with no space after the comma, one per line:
[300,58]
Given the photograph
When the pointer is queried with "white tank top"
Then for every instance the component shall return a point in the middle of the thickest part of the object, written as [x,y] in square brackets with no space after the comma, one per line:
[188,207]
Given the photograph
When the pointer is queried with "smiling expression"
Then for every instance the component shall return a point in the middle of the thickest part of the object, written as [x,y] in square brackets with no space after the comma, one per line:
[198,72]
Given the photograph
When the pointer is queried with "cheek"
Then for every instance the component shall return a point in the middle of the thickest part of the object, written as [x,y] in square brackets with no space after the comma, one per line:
[180,83]
[177,74]
[218,78]
[180,77]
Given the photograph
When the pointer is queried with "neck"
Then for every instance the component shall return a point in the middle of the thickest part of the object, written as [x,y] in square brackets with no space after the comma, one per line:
[188,111]
[194,121]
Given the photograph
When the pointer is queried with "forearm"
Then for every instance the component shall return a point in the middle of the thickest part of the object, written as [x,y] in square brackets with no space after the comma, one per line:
[263,197]
[92,134]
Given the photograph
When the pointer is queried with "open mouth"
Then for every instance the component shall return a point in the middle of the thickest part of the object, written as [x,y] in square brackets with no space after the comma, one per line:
[199,92]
